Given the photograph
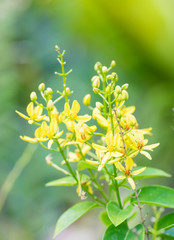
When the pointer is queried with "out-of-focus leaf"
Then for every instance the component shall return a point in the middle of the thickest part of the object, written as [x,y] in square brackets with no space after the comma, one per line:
[72,214]
[116,233]
[166,221]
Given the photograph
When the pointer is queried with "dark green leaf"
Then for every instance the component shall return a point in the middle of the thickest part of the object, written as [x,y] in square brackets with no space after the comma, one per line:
[116,233]
[66,181]
[156,195]
[84,165]
[117,215]
[105,219]
[166,221]
[72,214]
[150,172]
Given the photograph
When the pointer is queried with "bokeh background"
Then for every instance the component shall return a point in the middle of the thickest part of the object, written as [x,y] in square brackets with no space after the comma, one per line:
[138,34]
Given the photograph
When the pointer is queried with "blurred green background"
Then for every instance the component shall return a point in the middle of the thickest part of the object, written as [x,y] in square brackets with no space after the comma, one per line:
[138,34]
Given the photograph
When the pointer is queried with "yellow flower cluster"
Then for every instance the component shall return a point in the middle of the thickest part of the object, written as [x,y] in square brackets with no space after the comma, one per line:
[120,140]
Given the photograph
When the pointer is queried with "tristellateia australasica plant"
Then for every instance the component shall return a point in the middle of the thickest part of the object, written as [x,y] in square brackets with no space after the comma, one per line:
[107,150]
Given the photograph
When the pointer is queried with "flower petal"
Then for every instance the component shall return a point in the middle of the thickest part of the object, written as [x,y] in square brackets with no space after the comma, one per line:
[22,115]
[131,182]
[99,147]
[30,109]
[75,107]
[28,139]
[150,147]
[84,118]
[136,172]
[120,177]
[146,154]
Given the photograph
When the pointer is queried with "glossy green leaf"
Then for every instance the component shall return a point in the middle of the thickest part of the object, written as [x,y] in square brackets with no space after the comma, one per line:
[169,234]
[166,221]
[117,215]
[137,233]
[66,181]
[105,219]
[84,165]
[156,195]
[116,233]
[150,172]
[72,214]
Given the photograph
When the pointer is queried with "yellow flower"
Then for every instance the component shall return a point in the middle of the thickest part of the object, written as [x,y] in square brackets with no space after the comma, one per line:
[111,150]
[103,122]
[44,133]
[34,113]
[136,141]
[84,132]
[127,171]
[69,115]
[76,155]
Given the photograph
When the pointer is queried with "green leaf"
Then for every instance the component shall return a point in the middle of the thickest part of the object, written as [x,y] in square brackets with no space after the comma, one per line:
[169,234]
[66,181]
[166,221]
[105,219]
[150,172]
[72,214]
[116,233]
[117,215]
[84,165]
[156,195]
[137,233]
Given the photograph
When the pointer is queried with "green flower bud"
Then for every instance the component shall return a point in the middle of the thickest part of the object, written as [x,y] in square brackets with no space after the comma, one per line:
[87,100]
[48,93]
[50,105]
[33,96]
[115,76]
[68,91]
[125,86]
[95,90]
[118,89]
[95,82]
[124,95]
[41,87]
[97,66]
[118,113]
[104,69]
[99,105]
[113,64]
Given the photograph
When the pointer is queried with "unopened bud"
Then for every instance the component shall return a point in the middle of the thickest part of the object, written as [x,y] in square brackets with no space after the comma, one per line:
[87,100]
[95,90]
[57,48]
[125,86]
[48,93]
[99,105]
[95,82]
[68,91]
[41,87]
[113,64]
[33,96]
[97,66]
[50,105]
[104,69]
[48,159]
[118,113]
[115,76]
[125,95]
[118,89]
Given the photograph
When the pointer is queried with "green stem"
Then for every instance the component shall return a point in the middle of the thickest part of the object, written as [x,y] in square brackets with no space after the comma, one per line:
[104,90]
[116,188]
[93,177]
[110,113]
[65,159]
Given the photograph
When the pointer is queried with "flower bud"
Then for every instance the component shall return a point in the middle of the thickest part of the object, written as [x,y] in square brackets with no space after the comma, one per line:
[48,93]
[95,82]
[68,91]
[118,113]
[114,76]
[113,64]
[118,89]
[104,69]
[99,105]
[33,96]
[97,66]
[125,86]
[125,95]
[41,87]
[50,105]
[95,90]
[87,100]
